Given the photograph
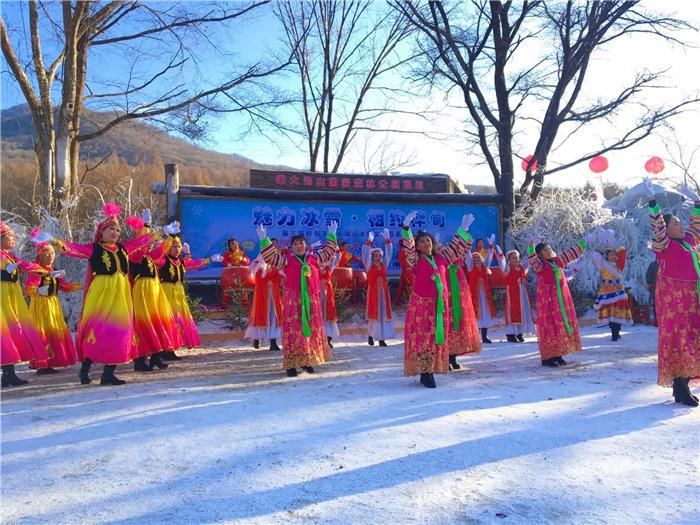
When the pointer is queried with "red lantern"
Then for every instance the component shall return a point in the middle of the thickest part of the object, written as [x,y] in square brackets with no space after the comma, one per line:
[598,164]
[526,161]
[654,165]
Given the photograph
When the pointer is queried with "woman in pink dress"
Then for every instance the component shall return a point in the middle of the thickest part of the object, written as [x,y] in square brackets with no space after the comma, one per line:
[677,298]
[304,343]
[19,338]
[426,348]
[171,272]
[106,328]
[46,311]
[557,326]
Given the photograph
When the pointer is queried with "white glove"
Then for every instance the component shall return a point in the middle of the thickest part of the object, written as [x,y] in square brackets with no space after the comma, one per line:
[498,250]
[688,192]
[260,230]
[333,228]
[146,216]
[386,234]
[649,187]
[316,244]
[467,221]
[185,248]
[409,217]
[172,229]
[370,237]
[11,267]
[42,236]
[43,290]
[57,274]
[217,257]
[492,239]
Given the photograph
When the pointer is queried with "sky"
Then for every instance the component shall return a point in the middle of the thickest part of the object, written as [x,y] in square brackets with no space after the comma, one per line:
[258,38]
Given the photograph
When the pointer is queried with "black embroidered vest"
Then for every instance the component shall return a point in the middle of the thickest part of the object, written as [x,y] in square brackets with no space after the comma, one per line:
[51,282]
[144,268]
[6,276]
[104,262]
[171,272]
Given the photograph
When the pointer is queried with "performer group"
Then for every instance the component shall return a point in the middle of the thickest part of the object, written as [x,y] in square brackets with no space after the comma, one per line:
[135,306]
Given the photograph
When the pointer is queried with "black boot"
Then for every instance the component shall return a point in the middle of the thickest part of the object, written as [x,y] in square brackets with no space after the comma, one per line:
[382,342]
[560,361]
[551,362]
[511,338]
[370,341]
[687,380]
[681,392]
[108,377]
[308,369]
[615,329]
[85,371]
[9,377]
[454,365]
[256,343]
[141,366]
[291,372]
[157,362]
[46,371]
[427,380]
[273,345]
[169,355]
[520,338]
[330,341]
[484,339]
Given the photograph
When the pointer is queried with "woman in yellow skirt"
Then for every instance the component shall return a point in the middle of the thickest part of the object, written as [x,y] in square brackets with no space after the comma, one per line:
[612,303]
[154,323]
[171,270]
[19,339]
[46,311]
[106,328]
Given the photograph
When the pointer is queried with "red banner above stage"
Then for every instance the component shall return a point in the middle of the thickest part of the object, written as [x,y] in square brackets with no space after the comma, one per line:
[308,181]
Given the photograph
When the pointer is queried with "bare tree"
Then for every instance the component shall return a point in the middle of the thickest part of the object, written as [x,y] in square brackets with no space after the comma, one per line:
[157,40]
[476,46]
[342,50]
[683,156]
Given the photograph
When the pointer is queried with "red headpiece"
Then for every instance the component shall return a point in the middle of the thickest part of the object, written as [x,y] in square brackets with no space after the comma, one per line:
[112,211]
[4,229]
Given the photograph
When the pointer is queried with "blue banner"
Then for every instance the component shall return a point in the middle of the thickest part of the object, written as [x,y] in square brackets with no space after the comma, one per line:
[207,223]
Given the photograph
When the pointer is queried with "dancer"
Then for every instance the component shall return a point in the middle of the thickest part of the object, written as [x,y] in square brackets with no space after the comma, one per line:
[47,314]
[612,303]
[304,342]
[463,331]
[347,257]
[330,313]
[171,272]
[235,256]
[519,319]
[480,285]
[557,325]
[677,297]
[154,322]
[19,338]
[378,309]
[480,248]
[106,329]
[425,347]
[266,310]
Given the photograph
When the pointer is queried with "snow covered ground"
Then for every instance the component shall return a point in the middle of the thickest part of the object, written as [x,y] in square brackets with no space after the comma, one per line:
[225,437]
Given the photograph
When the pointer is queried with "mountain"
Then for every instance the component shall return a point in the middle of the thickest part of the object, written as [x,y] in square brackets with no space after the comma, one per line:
[133,142]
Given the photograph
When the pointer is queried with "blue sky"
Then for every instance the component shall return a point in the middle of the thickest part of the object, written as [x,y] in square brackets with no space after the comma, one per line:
[258,38]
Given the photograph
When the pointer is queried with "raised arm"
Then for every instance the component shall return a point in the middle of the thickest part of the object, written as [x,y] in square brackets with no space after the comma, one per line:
[572,254]
[388,247]
[67,286]
[71,249]
[141,243]
[367,251]
[659,235]
[694,230]
[534,261]
[330,247]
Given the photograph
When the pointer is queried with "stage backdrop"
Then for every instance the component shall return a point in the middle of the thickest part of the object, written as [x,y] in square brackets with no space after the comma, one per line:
[208,222]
